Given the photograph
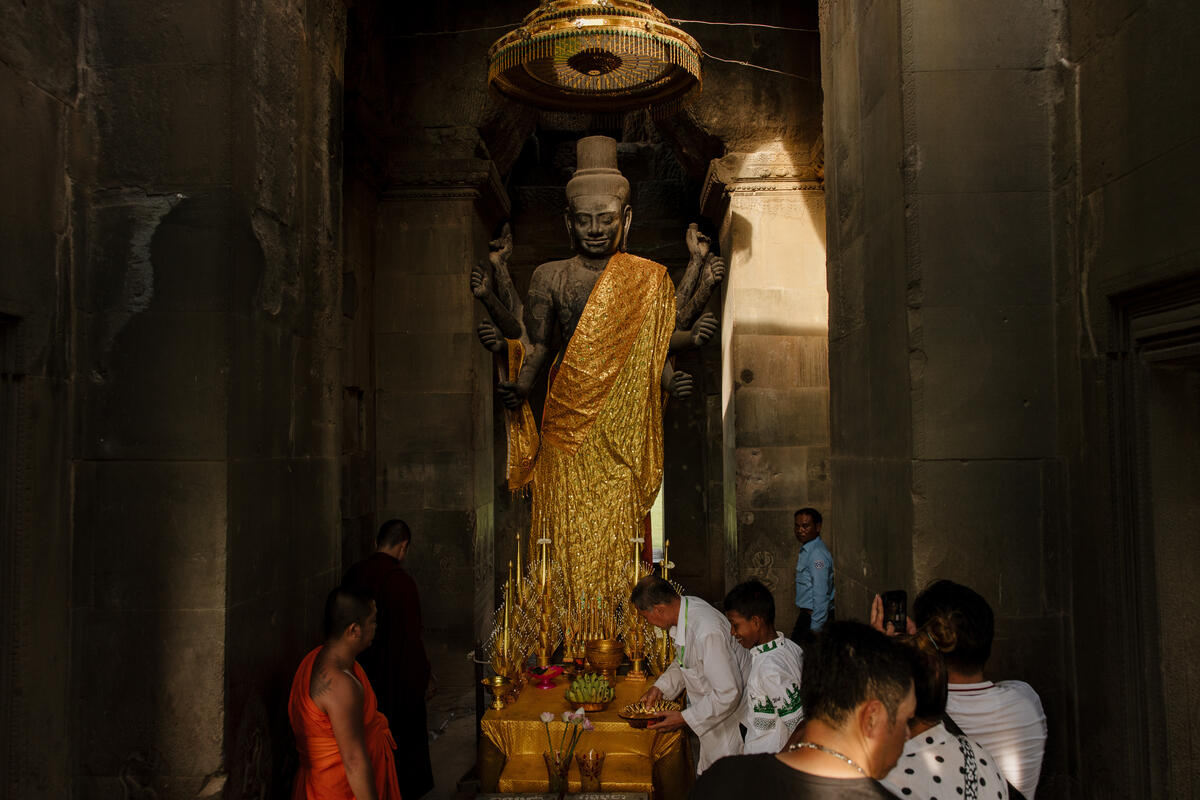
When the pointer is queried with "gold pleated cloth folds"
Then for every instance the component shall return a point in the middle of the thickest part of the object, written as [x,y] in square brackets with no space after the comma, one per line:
[600,463]
[514,739]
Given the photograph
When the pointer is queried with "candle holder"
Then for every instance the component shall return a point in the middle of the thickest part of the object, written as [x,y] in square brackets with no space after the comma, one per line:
[590,764]
[500,687]
[636,674]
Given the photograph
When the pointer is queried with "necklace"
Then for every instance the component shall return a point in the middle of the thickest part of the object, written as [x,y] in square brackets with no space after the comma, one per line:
[830,751]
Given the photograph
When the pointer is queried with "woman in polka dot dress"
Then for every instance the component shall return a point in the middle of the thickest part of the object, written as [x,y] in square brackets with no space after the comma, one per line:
[938,764]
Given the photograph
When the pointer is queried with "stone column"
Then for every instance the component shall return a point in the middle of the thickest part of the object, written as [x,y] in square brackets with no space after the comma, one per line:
[434,384]
[775,377]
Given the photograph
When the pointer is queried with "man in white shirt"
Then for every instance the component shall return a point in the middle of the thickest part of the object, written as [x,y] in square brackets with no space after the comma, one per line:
[1006,717]
[708,663]
[771,706]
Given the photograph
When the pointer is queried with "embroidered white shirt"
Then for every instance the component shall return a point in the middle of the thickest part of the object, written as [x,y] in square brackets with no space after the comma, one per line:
[771,707]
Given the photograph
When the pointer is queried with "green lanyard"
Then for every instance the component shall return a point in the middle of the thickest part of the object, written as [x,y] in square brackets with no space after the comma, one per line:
[682,646]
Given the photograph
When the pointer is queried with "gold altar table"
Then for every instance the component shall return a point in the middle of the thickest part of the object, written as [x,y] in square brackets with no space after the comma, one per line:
[514,738]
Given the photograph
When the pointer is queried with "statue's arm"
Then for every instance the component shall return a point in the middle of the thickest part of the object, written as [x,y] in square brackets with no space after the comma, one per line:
[711,275]
[675,383]
[697,336]
[539,321]
[482,281]
[489,337]
[698,246]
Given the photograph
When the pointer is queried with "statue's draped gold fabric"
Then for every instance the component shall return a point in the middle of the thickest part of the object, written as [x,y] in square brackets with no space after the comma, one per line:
[522,429]
[599,466]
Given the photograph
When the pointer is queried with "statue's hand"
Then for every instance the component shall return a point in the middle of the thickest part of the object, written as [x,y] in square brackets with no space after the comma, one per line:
[481,281]
[501,248]
[511,394]
[698,244]
[714,271]
[704,329]
[681,385]
[489,337]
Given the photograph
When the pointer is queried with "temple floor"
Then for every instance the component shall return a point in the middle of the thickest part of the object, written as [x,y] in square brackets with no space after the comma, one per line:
[452,726]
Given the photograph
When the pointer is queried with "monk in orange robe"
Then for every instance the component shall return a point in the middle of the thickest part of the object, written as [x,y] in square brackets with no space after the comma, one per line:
[344,742]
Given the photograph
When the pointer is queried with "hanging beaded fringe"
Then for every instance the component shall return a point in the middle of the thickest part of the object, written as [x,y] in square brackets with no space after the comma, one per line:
[543,47]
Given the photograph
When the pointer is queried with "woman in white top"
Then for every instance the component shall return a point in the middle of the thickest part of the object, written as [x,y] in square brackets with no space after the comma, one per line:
[938,764]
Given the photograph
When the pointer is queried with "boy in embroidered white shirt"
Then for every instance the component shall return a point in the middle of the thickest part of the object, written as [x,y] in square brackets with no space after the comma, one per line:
[771,707]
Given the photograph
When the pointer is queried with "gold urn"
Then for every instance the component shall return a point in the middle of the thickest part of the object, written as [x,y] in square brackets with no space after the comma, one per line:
[605,655]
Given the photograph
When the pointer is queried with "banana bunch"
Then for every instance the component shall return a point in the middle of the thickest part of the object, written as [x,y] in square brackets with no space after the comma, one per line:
[590,688]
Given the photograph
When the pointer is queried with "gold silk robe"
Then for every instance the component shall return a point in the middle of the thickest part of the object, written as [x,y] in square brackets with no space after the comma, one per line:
[599,464]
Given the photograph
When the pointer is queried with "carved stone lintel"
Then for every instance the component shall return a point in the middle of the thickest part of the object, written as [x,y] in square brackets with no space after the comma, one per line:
[450,179]
[758,173]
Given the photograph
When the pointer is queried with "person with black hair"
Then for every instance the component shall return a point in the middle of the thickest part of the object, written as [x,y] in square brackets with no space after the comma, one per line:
[938,762]
[708,664]
[1006,717]
[771,704]
[344,742]
[858,699]
[397,663]
[814,576]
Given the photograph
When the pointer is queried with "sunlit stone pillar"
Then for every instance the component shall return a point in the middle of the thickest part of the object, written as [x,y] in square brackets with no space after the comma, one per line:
[434,384]
[775,381]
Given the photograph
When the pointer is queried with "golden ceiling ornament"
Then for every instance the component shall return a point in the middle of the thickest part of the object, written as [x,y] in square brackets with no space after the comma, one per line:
[605,56]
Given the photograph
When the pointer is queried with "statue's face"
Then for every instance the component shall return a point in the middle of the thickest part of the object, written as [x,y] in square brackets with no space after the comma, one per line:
[597,224]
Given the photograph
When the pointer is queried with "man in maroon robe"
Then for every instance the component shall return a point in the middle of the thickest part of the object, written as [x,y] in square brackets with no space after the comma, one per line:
[396,662]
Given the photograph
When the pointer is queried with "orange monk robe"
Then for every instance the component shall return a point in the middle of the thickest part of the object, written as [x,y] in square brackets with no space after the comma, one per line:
[322,776]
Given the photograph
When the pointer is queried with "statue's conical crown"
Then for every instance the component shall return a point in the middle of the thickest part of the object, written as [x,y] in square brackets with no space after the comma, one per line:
[596,170]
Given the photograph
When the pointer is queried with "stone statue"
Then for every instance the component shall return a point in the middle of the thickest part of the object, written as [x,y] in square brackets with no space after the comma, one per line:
[603,322]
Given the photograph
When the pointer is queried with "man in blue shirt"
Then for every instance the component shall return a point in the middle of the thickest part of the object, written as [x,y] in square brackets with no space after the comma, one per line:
[814,576]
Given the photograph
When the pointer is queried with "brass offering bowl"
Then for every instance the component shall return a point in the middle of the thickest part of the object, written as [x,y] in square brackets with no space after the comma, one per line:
[605,655]
[588,707]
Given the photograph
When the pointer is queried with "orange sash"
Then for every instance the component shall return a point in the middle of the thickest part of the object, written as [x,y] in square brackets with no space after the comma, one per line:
[322,775]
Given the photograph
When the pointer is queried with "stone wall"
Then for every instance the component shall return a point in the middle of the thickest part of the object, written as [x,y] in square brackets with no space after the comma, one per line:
[939,119]
[1006,191]
[1127,167]
[206,296]
[39,89]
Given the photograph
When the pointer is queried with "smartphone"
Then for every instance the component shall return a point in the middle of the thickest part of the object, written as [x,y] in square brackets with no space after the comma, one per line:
[895,609]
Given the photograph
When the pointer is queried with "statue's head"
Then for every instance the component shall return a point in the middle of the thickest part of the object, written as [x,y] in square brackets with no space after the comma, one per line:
[598,211]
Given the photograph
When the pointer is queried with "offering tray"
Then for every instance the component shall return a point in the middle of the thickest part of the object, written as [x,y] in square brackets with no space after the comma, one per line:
[638,714]
[590,708]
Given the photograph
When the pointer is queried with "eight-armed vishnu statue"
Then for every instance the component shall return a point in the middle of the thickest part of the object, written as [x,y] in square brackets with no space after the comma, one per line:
[603,322]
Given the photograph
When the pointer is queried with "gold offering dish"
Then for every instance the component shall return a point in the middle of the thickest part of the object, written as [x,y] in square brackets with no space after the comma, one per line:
[639,713]
[588,707]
